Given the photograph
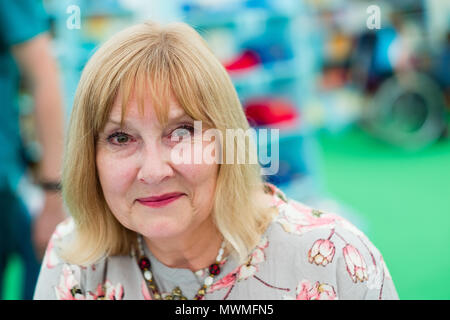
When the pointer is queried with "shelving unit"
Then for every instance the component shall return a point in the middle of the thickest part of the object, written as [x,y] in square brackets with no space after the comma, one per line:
[73,47]
[280,31]
[287,73]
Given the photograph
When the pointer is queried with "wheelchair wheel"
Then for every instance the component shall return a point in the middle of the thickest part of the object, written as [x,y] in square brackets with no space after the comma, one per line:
[407,111]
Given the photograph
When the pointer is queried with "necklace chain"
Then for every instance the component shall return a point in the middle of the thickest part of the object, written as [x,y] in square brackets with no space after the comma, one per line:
[176,294]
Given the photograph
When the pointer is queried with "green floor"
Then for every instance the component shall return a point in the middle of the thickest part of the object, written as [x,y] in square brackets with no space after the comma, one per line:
[404,198]
[13,279]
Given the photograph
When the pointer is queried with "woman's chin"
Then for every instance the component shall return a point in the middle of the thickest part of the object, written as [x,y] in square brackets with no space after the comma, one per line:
[162,227]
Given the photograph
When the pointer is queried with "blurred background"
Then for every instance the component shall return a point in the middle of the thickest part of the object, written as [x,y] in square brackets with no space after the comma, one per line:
[360,93]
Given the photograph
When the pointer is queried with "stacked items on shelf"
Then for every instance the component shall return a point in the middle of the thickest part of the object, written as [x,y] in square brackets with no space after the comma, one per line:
[338,103]
[387,79]
[74,46]
[267,48]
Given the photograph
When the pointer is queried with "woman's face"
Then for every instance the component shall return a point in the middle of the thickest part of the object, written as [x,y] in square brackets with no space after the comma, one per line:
[145,190]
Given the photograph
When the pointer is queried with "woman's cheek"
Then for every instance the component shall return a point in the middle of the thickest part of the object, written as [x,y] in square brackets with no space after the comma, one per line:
[116,173]
[195,174]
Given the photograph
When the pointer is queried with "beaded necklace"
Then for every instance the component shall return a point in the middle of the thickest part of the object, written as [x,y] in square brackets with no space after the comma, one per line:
[145,266]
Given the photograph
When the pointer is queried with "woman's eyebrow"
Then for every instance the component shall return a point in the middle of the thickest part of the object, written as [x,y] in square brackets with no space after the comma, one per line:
[125,124]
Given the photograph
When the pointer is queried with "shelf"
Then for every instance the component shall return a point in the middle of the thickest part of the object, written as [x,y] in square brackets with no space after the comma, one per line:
[284,70]
[206,19]
[286,134]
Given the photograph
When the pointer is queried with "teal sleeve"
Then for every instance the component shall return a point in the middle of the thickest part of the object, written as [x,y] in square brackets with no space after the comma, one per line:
[21,20]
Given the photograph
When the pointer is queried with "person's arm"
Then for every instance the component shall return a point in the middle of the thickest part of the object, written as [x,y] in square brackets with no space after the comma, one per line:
[40,70]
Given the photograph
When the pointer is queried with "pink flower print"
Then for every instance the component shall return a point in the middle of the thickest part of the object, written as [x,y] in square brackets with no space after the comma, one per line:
[107,291]
[356,266]
[225,282]
[258,254]
[305,291]
[243,271]
[64,228]
[326,292]
[114,292]
[318,291]
[98,295]
[246,271]
[51,259]
[68,288]
[298,219]
[145,291]
[278,196]
[321,252]
[263,243]
[300,207]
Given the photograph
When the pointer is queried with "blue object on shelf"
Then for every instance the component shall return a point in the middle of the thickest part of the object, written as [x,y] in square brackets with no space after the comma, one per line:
[281,34]
[265,4]
[292,161]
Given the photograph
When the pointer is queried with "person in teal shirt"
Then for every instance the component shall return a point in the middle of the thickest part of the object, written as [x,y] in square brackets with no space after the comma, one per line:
[25,55]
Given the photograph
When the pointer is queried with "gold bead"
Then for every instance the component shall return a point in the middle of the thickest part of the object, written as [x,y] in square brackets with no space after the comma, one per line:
[177,291]
[316,213]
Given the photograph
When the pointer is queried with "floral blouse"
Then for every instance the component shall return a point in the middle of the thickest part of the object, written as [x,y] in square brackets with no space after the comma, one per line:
[305,254]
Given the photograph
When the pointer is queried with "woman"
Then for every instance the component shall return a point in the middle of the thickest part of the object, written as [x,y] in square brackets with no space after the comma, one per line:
[145,226]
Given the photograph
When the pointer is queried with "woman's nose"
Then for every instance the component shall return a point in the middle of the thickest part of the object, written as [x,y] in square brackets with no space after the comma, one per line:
[155,166]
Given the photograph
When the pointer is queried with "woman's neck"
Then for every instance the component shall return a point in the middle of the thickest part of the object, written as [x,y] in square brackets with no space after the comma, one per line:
[194,250]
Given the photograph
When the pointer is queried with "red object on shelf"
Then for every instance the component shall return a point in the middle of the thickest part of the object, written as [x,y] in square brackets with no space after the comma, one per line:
[246,60]
[269,111]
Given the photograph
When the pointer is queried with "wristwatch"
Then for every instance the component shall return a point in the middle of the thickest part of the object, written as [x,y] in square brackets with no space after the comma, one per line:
[50,185]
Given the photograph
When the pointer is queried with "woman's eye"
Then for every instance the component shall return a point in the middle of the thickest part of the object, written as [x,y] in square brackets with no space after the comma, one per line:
[119,138]
[183,131]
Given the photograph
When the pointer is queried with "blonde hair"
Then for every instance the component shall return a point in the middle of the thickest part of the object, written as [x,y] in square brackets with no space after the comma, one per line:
[165,61]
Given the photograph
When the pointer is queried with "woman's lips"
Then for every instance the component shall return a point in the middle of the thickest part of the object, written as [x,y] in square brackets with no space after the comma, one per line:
[160,201]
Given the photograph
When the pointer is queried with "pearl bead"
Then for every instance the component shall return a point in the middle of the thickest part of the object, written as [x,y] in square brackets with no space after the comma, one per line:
[147,275]
[209,281]
[199,273]
[219,256]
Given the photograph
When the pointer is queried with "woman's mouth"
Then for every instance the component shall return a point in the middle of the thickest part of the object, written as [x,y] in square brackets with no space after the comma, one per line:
[160,201]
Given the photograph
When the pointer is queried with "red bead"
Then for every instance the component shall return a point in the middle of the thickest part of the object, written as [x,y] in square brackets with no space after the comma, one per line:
[144,263]
[214,269]
[198,297]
